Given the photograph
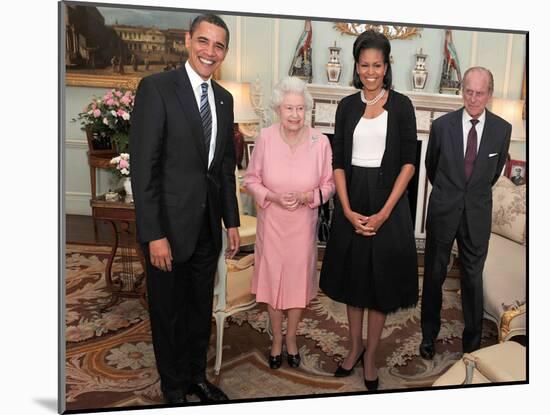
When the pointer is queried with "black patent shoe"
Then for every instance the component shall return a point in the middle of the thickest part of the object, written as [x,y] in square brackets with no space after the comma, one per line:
[275,362]
[427,349]
[342,373]
[208,392]
[293,360]
[371,385]
[174,397]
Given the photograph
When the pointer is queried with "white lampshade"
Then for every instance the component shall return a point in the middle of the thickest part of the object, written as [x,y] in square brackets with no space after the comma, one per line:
[243,111]
[511,110]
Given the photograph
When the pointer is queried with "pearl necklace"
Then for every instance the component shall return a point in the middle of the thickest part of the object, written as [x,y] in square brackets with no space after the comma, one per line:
[375,99]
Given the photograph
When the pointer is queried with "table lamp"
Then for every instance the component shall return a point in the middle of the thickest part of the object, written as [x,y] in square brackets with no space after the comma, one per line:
[511,110]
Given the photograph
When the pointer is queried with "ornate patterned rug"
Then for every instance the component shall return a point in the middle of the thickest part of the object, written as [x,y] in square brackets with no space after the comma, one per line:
[110,360]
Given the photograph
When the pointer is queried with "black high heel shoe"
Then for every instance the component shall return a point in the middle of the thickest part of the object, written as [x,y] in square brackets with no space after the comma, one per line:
[275,362]
[371,385]
[342,373]
[293,360]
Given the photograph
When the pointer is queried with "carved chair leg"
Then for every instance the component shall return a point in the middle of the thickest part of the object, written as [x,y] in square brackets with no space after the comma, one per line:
[220,322]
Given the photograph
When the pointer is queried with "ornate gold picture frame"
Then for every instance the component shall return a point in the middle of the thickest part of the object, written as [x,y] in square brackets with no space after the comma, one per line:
[110,47]
[390,31]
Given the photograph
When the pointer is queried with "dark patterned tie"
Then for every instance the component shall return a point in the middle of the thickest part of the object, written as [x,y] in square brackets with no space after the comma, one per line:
[471,150]
[206,116]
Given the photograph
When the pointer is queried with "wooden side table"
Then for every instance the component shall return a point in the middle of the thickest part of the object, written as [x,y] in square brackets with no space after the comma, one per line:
[129,284]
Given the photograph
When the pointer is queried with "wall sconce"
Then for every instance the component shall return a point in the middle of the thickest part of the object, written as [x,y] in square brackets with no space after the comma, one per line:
[243,114]
[511,110]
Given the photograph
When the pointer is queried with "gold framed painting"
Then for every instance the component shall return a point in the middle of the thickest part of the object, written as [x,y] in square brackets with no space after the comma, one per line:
[112,47]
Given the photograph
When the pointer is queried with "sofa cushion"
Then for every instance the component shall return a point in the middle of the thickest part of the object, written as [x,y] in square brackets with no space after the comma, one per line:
[502,362]
[509,210]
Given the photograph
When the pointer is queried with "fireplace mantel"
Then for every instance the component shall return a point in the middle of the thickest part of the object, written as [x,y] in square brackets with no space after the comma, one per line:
[427,106]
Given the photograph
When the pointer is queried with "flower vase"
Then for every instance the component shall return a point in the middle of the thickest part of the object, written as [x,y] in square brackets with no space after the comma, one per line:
[127,185]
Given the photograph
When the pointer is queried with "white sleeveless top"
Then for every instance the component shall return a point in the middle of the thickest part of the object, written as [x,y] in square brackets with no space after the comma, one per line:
[369,141]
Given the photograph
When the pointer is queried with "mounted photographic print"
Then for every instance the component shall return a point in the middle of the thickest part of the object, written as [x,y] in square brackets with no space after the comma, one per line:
[516,171]
[139,103]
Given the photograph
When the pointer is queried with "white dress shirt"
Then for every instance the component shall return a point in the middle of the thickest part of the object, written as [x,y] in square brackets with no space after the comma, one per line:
[467,125]
[196,82]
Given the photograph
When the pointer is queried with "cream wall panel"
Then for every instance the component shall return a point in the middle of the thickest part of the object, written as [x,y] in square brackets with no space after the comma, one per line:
[259,52]
[492,54]
[77,203]
[229,66]
[289,33]
[518,150]
[519,52]
[252,52]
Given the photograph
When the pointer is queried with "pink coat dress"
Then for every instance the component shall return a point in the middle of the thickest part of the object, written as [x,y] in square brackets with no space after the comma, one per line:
[285,255]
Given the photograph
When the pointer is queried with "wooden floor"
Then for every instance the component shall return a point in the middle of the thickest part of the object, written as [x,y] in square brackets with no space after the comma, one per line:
[80,230]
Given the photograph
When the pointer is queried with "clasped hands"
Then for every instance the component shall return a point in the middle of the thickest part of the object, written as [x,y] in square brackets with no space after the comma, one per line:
[366,225]
[290,200]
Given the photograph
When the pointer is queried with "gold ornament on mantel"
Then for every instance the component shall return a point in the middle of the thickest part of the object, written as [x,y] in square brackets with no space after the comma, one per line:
[390,31]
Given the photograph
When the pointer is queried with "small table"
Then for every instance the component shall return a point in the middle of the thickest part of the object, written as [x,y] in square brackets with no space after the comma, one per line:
[129,284]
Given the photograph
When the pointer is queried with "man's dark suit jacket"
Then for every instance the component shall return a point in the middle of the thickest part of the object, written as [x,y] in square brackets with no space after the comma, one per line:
[171,182]
[451,195]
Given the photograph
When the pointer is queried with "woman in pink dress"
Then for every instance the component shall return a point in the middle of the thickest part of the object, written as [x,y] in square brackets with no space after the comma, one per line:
[289,168]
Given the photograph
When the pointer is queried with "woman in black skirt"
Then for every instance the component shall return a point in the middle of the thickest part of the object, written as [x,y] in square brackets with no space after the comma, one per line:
[370,260]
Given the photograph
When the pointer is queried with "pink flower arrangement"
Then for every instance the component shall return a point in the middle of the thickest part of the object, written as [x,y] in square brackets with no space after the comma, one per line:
[122,164]
[110,115]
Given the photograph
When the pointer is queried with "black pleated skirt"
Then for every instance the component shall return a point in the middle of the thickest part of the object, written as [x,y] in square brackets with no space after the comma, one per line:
[378,272]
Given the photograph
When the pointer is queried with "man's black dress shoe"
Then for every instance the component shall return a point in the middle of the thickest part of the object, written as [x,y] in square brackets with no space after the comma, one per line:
[207,392]
[427,349]
[371,385]
[342,373]
[293,360]
[174,397]
[275,361]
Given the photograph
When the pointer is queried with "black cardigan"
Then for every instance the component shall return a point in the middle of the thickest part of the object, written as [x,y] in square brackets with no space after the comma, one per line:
[400,136]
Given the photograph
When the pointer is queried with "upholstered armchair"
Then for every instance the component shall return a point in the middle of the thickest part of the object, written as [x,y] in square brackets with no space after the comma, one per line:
[233,280]
[505,272]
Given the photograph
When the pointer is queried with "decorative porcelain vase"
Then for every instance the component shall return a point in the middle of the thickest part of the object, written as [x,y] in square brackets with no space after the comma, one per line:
[419,73]
[127,185]
[334,68]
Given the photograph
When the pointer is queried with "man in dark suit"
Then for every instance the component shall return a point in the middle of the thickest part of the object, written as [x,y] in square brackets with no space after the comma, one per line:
[466,152]
[183,180]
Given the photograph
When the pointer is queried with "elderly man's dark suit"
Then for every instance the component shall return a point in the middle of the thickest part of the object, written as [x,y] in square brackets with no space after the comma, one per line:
[179,197]
[460,209]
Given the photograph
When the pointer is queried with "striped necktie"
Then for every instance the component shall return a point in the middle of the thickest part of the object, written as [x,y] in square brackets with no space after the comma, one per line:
[471,150]
[206,116]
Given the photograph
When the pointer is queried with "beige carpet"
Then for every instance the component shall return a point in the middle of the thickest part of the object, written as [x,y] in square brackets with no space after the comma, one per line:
[110,360]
